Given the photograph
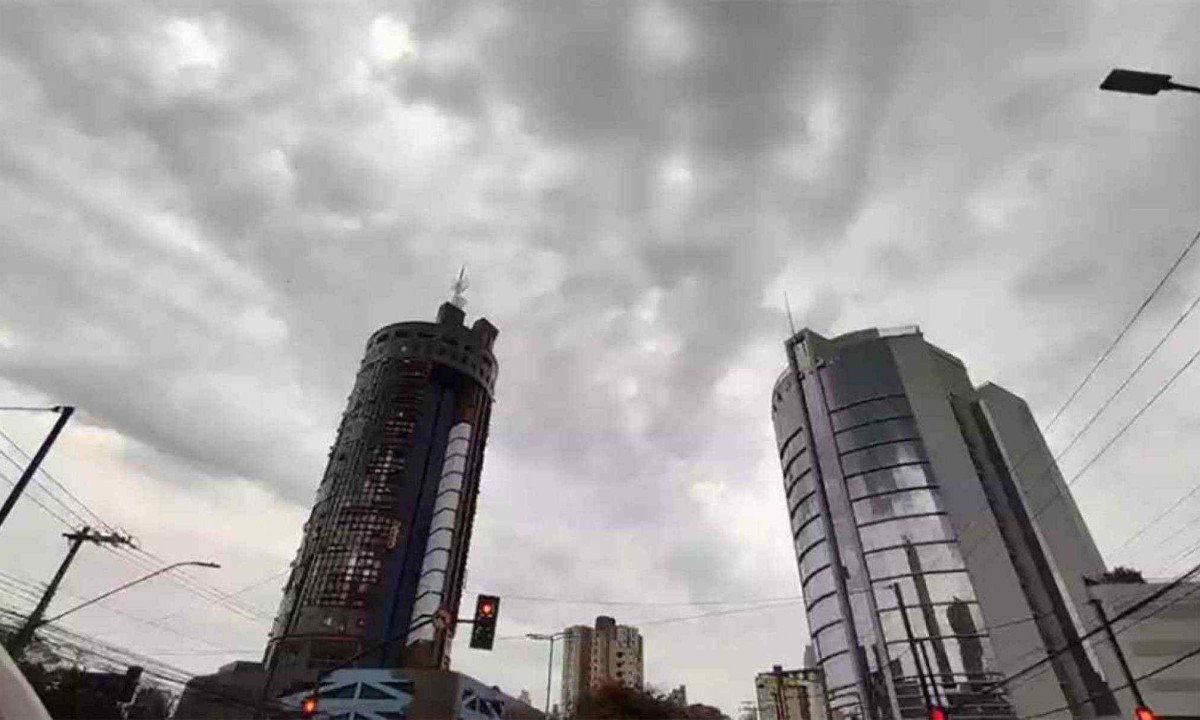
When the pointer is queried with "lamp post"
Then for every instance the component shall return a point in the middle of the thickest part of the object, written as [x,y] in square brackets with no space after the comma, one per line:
[64,414]
[550,664]
[35,621]
[1141,83]
[126,586]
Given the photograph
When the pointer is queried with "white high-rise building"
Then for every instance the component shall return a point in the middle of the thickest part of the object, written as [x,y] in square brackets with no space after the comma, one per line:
[608,654]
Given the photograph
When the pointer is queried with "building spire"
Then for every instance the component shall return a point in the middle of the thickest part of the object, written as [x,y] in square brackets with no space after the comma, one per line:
[459,287]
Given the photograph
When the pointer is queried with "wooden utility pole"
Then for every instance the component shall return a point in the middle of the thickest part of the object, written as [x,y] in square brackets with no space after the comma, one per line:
[19,641]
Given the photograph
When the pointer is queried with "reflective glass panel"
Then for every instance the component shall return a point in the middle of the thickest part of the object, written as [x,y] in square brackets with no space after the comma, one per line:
[893,478]
[819,583]
[803,508]
[956,659]
[906,530]
[895,505]
[809,534]
[824,612]
[817,556]
[831,640]
[877,409]
[873,458]
[876,433]
[914,559]
[798,464]
[926,590]
[966,616]
[839,672]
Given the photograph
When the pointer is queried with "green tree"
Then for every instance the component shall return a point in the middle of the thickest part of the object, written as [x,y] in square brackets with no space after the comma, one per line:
[618,702]
[1121,574]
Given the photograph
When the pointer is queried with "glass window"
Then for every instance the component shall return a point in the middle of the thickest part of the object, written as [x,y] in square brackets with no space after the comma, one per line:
[892,533]
[803,509]
[920,590]
[809,534]
[815,557]
[875,433]
[878,409]
[893,478]
[797,465]
[955,659]
[831,640]
[882,456]
[932,620]
[824,612]
[895,505]
[819,583]
[800,486]
[914,559]
[839,672]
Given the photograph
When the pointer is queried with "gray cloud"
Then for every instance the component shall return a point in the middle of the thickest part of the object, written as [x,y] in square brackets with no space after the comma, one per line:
[208,207]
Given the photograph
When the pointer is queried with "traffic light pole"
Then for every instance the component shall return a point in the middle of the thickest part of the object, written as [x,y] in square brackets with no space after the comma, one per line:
[1112,639]
[64,415]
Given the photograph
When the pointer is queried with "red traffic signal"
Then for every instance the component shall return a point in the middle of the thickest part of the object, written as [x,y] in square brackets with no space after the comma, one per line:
[308,706]
[483,631]
[1141,712]
[937,712]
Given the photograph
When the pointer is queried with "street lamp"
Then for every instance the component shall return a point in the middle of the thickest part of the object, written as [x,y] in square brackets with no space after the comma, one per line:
[1141,83]
[550,664]
[114,591]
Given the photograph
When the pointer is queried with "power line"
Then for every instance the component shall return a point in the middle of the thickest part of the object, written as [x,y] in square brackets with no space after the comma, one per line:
[1033,445]
[1116,341]
[647,603]
[51,478]
[1156,518]
[686,618]
[33,498]
[1128,378]
[1058,490]
[1120,616]
[1152,673]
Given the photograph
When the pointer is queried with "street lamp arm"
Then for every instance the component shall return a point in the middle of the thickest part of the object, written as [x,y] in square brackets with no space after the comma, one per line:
[1185,88]
[114,591]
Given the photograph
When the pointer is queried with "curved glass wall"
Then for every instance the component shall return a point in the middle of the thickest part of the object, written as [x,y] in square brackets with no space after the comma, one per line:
[893,534]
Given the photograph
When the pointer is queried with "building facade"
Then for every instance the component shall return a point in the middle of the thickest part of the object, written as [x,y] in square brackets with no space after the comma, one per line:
[386,544]
[920,508]
[1165,630]
[790,694]
[594,657]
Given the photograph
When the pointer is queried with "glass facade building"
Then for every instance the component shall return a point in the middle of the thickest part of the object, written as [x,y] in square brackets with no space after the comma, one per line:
[386,543]
[922,581]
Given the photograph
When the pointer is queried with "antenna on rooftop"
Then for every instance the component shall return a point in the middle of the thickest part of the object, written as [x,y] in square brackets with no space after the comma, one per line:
[459,287]
[787,306]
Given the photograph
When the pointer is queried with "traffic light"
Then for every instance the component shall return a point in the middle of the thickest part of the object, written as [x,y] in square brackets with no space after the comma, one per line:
[1141,712]
[483,631]
[937,712]
[308,706]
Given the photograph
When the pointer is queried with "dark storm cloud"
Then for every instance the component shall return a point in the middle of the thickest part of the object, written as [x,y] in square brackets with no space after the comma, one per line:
[209,208]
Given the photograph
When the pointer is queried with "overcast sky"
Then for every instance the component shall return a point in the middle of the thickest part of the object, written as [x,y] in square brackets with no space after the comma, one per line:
[205,209]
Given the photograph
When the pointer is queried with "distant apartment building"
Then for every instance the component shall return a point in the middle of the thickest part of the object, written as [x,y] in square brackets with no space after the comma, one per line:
[790,694]
[938,546]
[594,657]
[678,696]
[1165,630]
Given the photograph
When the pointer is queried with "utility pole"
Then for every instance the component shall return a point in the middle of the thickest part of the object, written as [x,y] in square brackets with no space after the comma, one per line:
[64,414]
[25,634]
[1112,638]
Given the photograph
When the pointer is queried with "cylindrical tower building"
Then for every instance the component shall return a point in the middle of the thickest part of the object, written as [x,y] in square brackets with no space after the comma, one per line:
[386,544]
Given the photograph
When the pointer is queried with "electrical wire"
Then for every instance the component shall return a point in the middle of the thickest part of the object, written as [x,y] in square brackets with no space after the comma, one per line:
[46,474]
[1104,356]
[1152,673]
[1059,489]
[1117,340]
[1156,518]
[1117,618]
